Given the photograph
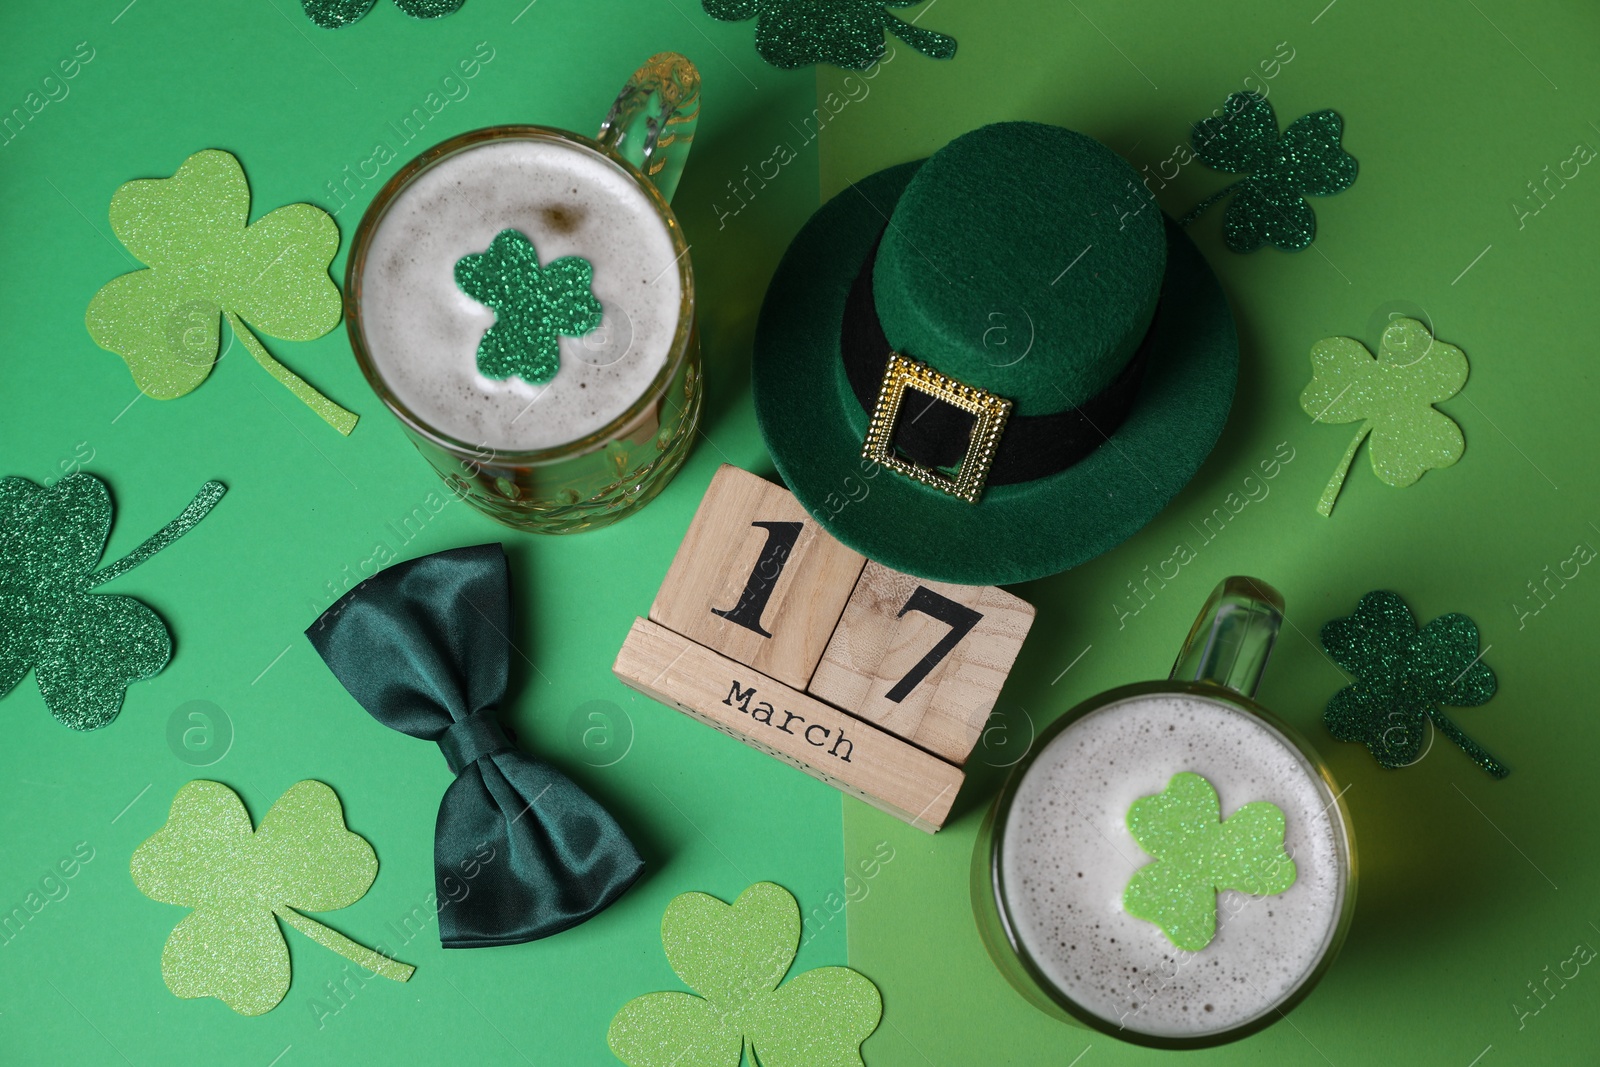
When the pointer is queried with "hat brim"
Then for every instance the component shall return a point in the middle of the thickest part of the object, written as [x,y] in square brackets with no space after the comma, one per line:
[814,425]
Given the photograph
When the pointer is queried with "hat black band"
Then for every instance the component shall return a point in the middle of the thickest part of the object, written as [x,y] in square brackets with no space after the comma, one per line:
[935,434]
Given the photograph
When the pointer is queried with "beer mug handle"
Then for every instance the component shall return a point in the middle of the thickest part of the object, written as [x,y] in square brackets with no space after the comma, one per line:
[1233,636]
[651,123]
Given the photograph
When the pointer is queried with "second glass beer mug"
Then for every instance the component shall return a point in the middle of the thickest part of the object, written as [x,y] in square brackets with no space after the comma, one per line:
[1056,855]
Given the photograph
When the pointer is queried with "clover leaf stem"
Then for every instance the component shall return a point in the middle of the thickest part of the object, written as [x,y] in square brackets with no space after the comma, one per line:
[929,43]
[330,413]
[1200,208]
[1468,745]
[1336,483]
[198,508]
[363,957]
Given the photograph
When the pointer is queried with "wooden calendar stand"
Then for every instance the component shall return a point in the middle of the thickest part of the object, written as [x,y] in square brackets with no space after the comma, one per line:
[871,680]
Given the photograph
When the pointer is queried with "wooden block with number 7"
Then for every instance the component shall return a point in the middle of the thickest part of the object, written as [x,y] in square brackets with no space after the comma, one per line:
[757,579]
[924,660]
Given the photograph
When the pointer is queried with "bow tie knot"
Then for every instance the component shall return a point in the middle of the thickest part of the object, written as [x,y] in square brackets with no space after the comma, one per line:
[469,740]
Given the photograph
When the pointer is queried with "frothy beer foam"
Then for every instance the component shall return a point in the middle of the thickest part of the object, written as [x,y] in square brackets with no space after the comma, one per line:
[422,331]
[1067,858]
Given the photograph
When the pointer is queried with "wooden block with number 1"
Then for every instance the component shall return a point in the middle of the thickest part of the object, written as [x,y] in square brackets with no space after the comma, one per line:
[757,579]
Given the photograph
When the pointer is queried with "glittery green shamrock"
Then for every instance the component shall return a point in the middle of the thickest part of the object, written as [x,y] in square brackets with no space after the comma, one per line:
[1197,854]
[331,14]
[205,264]
[1403,676]
[83,647]
[236,879]
[1393,396]
[735,956]
[533,305]
[1306,159]
[846,33]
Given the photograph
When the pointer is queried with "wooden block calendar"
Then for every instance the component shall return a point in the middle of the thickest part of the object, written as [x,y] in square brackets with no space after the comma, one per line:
[866,678]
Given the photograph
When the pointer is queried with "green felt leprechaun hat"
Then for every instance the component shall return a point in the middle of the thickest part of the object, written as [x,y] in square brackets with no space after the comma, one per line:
[993,364]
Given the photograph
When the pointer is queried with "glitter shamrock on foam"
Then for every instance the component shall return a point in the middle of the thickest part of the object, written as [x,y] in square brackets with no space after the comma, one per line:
[845,33]
[735,956]
[1268,205]
[237,879]
[1403,677]
[533,306]
[1393,397]
[1197,854]
[83,647]
[207,261]
[331,14]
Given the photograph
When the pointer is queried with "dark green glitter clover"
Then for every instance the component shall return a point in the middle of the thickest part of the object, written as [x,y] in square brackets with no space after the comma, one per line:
[1306,159]
[83,647]
[331,14]
[845,33]
[533,306]
[1403,676]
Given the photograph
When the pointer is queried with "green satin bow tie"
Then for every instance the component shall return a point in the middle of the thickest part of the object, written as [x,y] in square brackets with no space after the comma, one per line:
[422,646]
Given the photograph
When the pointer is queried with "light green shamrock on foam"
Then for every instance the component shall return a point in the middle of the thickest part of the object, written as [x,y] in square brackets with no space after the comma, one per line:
[735,956]
[1197,854]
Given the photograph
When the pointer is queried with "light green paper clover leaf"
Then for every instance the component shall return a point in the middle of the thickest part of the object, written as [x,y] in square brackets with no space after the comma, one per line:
[1393,397]
[206,261]
[83,647]
[735,956]
[207,858]
[1197,854]
[533,306]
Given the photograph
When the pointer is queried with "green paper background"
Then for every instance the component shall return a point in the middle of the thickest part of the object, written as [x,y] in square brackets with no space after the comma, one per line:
[1469,888]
